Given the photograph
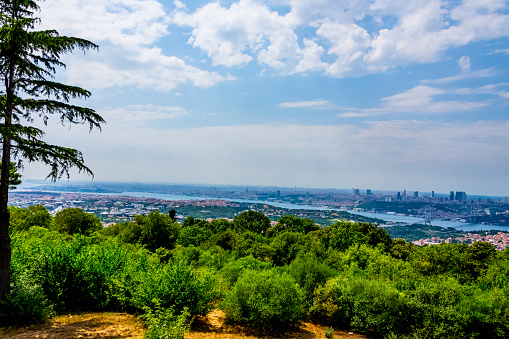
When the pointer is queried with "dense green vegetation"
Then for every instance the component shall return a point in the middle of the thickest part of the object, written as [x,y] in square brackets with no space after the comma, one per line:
[347,275]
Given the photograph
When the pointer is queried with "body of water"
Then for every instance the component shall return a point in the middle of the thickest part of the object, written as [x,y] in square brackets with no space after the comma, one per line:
[442,223]
[386,217]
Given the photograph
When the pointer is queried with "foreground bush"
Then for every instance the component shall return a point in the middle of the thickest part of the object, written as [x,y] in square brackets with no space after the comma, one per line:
[165,324]
[145,282]
[25,304]
[264,298]
[364,305]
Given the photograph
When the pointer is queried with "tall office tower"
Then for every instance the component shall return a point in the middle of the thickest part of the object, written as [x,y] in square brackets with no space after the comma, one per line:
[416,194]
[368,192]
[398,196]
[404,194]
[461,196]
[355,191]
[278,192]
[451,196]
[432,194]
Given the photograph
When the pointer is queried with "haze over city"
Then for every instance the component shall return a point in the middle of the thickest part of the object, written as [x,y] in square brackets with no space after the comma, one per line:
[387,95]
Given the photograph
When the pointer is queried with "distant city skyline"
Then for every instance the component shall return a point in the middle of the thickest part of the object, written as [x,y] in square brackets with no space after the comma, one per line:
[378,94]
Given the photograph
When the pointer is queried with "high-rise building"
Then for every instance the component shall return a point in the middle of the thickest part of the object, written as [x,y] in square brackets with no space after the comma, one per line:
[451,196]
[461,196]
[368,192]
[404,194]
[355,191]
[416,194]
[432,194]
[398,196]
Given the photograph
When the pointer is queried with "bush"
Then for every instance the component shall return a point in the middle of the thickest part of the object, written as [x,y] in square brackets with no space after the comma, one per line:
[232,271]
[25,304]
[164,324]
[145,282]
[264,298]
[309,273]
[367,305]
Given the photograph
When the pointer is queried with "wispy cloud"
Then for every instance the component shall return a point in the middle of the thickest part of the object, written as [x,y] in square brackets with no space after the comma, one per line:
[420,99]
[316,104]
[484,73]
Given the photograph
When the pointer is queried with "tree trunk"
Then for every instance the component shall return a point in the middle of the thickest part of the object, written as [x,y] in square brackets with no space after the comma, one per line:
[5,255]
[5,240]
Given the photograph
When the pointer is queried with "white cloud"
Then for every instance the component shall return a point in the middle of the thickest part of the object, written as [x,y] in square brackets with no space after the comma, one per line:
[419,99]
[179,4]
[316,104]
[363,36]
[484,73]
[465,64]
[126,31]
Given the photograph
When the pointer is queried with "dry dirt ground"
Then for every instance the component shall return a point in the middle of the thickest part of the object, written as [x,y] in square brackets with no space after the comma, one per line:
[122,325]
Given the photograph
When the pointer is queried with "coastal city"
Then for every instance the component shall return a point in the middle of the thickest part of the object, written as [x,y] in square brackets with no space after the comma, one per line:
[113,203]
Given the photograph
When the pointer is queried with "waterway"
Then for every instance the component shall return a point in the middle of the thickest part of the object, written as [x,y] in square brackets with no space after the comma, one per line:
[442,223]
[383,216]
[386,217]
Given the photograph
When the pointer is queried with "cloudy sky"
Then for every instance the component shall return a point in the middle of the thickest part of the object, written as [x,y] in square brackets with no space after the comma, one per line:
[380,94]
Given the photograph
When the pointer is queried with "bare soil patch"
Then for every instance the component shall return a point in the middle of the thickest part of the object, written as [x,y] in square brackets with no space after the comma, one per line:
[89,325]
[213,326]
[123,325]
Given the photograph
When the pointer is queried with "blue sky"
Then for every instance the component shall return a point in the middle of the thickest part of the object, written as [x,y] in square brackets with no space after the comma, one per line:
[380,94]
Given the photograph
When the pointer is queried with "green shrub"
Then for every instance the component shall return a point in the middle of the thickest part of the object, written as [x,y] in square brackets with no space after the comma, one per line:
[373,306]
[329,332]
[25,304]
[309,273]
[145,282]
[231,272]
[164,324]
[264,298]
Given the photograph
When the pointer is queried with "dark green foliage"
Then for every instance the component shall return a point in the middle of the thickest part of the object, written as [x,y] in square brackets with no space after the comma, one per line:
[479,256]
[264,298]
[401,249]
[253,221]
[365,305]
[231,272]
[194,234]
[226,239]
[442,259]
[157,230]
[220,225]
[25,304]
[74,220]
[14,176]
[23,218]
[309,273]
[342,235]
[286,246]
[144,282]
[290,223]
[75,276]
[250,243]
